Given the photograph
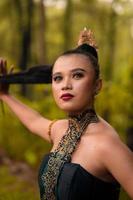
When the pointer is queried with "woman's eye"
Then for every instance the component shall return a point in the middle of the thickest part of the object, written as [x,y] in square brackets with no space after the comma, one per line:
[78,75]
[57,78]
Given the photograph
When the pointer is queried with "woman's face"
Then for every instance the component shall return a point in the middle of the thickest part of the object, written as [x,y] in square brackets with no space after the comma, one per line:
[73,83]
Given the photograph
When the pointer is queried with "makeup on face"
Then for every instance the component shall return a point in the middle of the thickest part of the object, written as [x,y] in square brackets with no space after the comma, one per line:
[72,82]
[76,73]
[66,96]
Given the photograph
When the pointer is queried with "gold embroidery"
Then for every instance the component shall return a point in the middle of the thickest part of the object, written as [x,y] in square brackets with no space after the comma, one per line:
[67,145]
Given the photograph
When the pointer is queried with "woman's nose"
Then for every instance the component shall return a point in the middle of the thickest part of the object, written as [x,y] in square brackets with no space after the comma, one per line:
[67,85]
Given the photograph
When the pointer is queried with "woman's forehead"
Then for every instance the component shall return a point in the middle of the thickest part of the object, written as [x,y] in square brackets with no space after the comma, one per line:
[70,62]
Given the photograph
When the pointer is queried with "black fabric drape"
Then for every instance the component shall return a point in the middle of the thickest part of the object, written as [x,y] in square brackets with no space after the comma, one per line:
[34,75]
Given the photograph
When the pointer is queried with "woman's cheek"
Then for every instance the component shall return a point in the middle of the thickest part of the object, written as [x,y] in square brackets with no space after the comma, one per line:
[56,93]
[85,92]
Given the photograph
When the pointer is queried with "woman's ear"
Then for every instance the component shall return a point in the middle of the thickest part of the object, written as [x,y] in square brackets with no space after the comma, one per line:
[98,86]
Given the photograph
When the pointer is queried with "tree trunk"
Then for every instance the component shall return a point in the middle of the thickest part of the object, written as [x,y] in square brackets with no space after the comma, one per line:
[67,29]
[109,68]
[41,34]
[25,11]
[130,115]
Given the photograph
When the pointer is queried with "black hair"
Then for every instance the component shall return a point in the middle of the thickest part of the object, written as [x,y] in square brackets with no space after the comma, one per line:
[89,52]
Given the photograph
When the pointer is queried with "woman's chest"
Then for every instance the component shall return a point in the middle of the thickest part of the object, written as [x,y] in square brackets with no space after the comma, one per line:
[85,152]
[87,155]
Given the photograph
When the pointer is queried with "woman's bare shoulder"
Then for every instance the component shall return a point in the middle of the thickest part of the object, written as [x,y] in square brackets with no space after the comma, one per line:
[58,128]
[116,157]
[61,123]
[104,137]
[108,140]
[103,129]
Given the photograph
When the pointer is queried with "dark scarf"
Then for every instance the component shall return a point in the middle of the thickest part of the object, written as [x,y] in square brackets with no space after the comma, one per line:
[77,125]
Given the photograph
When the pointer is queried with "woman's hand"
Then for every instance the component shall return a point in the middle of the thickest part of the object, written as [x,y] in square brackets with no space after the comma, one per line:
[4,88]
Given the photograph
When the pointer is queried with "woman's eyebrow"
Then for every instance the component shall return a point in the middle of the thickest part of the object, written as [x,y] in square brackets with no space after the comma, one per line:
[56,73]
[78,69]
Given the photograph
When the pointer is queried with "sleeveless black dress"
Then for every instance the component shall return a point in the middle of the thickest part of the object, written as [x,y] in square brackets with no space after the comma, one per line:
[75,183]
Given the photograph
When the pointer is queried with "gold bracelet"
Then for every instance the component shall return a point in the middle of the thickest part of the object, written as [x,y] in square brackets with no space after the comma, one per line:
[49,128]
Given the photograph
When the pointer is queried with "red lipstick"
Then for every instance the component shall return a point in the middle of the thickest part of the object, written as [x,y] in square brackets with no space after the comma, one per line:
[66,96]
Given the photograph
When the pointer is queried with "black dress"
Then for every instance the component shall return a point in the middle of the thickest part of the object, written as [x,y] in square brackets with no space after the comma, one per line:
[75,183]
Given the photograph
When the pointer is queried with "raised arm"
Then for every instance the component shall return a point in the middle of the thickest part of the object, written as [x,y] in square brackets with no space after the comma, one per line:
[29,117]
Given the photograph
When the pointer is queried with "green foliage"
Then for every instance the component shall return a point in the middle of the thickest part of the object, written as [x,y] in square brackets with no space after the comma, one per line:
[123,195]
[13,188]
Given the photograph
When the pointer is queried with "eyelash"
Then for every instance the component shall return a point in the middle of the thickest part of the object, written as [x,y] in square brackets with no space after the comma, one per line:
[57,78]
[76,75]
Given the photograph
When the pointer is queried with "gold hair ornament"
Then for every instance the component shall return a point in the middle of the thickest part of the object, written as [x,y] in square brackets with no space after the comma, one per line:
[87,37]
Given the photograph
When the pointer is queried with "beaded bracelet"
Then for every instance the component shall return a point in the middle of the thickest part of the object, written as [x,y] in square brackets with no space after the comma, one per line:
[49,128]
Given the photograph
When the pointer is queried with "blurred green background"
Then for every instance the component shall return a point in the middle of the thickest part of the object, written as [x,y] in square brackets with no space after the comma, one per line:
[35,32]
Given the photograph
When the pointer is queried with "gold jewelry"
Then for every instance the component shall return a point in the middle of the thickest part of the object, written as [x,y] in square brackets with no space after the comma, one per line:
[49,128]
[87,37]
[63,153]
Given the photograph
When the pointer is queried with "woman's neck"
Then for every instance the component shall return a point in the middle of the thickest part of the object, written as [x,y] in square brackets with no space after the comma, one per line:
[79,112]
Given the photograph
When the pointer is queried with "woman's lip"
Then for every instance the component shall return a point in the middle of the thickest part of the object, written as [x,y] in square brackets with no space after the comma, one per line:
[66,96]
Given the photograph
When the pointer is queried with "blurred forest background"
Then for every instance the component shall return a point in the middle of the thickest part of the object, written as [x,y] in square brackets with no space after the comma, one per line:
[35,32]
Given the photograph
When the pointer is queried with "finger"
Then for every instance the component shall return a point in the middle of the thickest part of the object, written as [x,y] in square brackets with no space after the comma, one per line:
[5,63]
[0,65]
[1,60]
[11,69]
[3,67]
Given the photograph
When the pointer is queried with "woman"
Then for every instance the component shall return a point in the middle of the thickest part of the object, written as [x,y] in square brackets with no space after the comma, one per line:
[88,160]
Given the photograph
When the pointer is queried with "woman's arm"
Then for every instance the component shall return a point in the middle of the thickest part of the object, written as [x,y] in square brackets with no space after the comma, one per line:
[118,160]
[30,118]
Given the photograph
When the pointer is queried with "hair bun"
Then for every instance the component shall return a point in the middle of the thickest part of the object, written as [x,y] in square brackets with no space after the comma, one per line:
[87,43]
[88,49]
